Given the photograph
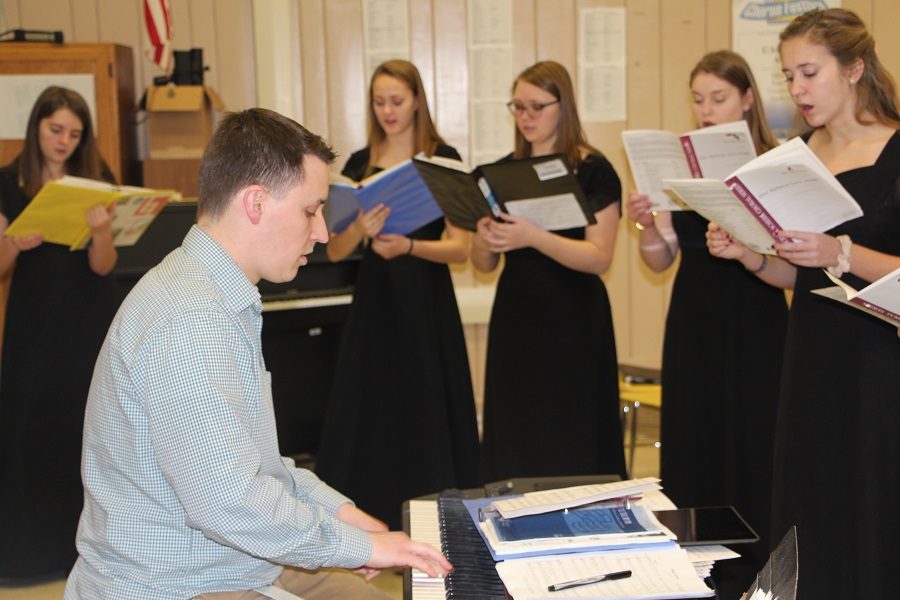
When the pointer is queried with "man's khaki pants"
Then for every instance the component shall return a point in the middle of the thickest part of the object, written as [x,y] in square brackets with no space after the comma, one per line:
[324,584]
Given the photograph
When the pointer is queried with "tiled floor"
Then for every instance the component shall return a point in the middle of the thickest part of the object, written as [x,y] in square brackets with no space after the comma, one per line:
[646,464]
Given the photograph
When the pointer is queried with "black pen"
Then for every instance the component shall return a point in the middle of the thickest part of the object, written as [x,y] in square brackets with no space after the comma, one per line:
[556,587]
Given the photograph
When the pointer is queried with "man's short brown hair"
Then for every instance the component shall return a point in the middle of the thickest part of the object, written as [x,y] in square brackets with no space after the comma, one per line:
[255,147]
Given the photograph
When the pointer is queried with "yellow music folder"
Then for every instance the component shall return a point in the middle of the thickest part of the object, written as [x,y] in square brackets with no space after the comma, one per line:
[59,208]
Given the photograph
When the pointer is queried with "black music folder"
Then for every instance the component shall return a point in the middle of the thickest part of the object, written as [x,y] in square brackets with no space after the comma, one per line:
[542,189]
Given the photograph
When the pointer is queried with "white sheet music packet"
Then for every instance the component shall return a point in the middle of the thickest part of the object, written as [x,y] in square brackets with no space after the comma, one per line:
[880,299]
[787,188]
[711,152]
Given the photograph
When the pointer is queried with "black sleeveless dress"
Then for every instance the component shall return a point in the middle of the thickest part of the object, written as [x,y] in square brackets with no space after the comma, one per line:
[837,447]
[57,316]
[721,369]
[551,398]
[401,417]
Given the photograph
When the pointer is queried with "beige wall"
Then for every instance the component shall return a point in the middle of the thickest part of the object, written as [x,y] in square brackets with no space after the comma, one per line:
[664,40]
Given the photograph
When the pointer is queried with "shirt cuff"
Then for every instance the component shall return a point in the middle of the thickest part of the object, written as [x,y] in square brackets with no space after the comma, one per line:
[355,548]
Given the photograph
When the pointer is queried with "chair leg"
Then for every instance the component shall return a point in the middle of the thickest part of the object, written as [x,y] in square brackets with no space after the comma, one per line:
[634,418]
[628,427]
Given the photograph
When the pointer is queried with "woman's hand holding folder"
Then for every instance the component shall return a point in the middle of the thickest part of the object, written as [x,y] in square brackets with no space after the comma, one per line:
[511,233]
[369,224]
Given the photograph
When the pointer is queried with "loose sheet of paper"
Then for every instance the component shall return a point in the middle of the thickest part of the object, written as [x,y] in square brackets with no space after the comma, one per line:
[660,573]
[544,501]
[551,213]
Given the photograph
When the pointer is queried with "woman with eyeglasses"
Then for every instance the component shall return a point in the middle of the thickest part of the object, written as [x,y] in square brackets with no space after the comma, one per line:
[401,415]
[723,341]
[551,400]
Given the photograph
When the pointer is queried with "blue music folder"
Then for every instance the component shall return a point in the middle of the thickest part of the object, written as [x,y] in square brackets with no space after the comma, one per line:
[615,520]
[478,511]
[401,188]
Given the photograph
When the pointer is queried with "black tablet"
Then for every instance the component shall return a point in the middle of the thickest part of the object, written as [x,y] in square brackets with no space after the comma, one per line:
[707,525]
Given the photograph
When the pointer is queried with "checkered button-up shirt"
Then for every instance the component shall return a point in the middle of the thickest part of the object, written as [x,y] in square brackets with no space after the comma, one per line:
[185,489]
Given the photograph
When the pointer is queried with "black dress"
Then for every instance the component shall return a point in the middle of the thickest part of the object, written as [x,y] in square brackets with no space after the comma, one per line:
[401,416]
[57,316]
[720,375]
[551,398]
[837,447]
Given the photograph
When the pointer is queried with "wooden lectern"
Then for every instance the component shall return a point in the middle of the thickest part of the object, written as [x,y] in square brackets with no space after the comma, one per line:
[113,69]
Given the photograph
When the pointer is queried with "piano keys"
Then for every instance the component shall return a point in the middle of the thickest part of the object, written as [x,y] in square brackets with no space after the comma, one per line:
[445,523]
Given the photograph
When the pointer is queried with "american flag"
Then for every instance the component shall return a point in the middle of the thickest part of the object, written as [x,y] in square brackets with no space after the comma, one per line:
[158,19]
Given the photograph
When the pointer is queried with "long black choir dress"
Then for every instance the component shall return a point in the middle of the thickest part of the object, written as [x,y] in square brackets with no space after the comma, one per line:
[721,369]
[401,416]
[57,316]
[837,447]
[551,398]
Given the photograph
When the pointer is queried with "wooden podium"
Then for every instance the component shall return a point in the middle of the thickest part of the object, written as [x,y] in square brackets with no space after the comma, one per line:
[113,69]
[172,174]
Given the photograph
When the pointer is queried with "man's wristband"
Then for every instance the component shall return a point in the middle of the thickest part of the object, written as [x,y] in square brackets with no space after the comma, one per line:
[411,244]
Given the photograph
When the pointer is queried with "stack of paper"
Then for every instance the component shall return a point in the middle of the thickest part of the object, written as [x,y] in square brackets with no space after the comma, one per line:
[704,558]
[558,536]
[655,573]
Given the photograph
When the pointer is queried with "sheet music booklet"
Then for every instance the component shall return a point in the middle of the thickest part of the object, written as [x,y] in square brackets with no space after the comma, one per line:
[399,187]
[787,188]
[711,152]
[58,211]
[542,189]
[880,299]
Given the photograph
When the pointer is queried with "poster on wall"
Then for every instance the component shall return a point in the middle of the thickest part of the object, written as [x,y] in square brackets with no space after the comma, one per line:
[490,47]
[601,64]
[385,31]
[19,92]
[755,26]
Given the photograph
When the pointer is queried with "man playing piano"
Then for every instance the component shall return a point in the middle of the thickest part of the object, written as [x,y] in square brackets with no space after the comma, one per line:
[186,494]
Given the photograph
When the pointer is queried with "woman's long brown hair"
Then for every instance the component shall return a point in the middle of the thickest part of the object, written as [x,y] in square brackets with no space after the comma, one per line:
[85,161]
